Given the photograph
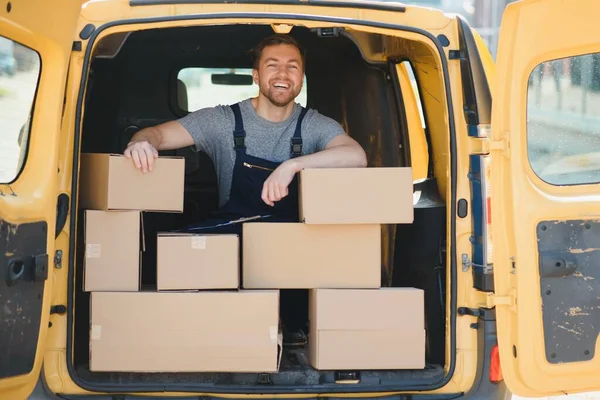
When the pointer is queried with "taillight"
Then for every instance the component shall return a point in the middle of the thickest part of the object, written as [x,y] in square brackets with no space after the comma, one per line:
[495,368]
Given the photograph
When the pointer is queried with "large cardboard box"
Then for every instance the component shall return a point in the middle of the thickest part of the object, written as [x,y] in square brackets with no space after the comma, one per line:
[356,196]
[190,261]
[185,332]
[111,182]
[299,256]
[113,242]
[367,329]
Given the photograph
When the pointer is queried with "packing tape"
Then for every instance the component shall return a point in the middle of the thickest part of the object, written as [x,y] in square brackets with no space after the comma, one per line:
[96,333]
[273,331]
[199,242]
[93,250]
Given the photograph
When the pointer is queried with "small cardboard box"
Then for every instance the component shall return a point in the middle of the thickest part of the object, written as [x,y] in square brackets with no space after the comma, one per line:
[185,332]
[113,243]
[190,261]
[299,256]
[112,182]
[356,196]
[367,329]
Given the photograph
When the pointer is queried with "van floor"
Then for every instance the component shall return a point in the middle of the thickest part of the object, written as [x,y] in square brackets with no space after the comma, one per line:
[295,370]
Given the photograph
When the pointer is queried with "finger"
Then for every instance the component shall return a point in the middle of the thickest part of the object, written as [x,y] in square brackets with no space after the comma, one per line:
[127,152]
[276,193]
[284,192]
[155,152]
[143,160]
[272,192]
[265,193]
[149,157]
[136,158]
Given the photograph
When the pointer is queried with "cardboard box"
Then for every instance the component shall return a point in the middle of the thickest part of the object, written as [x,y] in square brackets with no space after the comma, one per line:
[112,258]
[189,261]
[367,329]
[111,182]
[295,255]
[356,196]
[185,332]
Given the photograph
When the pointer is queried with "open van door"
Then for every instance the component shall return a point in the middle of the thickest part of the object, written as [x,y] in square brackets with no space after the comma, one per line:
[36,39]
[545,196]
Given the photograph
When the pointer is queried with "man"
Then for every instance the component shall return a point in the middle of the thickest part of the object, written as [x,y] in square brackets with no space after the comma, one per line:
[258,145]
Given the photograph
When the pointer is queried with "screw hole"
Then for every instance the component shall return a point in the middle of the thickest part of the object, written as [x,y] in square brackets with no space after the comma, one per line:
[8,7]
[553,355]
[544,227]
[548,292]
[587,352]
[558,263]
[515,351]
[587,226]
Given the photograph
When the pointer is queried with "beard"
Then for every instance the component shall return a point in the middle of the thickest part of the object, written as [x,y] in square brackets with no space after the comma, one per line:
[280,98]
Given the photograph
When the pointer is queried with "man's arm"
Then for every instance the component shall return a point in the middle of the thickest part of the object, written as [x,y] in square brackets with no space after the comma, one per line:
[341,152]
[144,145]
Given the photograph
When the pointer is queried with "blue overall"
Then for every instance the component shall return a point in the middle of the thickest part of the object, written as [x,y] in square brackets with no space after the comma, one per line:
[245,204]
[249,175]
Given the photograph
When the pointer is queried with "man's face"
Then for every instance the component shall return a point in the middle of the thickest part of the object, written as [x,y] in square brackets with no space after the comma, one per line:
[279,75]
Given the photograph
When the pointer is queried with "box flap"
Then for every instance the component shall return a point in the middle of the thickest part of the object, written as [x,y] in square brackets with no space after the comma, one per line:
[93,182]
[368,309]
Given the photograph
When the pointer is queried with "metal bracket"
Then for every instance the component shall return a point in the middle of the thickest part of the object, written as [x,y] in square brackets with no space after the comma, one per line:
[493,300]
[58,259]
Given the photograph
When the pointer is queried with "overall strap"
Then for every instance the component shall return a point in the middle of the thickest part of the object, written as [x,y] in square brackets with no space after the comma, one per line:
[239,134]
[296,142]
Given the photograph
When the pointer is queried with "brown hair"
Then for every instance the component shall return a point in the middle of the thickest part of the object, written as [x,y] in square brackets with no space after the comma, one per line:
[273,41]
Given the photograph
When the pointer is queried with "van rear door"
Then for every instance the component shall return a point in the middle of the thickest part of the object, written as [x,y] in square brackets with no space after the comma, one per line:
[39,36]
[545,196]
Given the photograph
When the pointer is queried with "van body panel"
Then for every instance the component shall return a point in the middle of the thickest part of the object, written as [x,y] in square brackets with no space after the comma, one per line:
[28,204]
[544,233]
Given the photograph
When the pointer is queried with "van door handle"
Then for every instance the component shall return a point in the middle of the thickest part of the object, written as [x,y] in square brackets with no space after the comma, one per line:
[34,268]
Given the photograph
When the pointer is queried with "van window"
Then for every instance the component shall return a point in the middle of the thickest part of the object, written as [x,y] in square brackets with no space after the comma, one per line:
[208,87]
[19,72]
[563,120]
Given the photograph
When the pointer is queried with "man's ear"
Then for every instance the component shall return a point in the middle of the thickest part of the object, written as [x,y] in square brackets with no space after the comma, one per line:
[255,75]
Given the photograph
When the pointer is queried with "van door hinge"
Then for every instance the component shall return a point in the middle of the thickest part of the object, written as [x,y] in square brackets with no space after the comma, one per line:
[493,300]
[484,146]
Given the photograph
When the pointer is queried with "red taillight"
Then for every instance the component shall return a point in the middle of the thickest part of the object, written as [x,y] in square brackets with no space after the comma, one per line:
[495,368]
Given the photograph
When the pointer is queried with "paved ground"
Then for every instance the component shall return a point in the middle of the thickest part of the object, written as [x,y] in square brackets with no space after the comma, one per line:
[586,396]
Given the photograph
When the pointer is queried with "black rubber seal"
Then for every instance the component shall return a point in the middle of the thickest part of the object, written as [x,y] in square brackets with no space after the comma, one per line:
[420,385]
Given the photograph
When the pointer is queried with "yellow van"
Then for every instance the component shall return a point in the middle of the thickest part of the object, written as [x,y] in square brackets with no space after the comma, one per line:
[505,240]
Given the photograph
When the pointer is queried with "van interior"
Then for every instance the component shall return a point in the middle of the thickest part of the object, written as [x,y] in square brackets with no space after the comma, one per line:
[140,79]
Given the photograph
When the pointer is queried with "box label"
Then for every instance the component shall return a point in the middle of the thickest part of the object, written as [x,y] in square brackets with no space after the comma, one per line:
[199,242]
[93,250]
[96,333]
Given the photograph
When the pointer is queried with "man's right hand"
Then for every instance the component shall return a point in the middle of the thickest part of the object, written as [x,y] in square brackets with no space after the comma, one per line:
[144,145]
[142,153]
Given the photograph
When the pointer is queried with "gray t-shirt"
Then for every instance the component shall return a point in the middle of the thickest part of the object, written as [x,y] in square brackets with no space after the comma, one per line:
[212,130]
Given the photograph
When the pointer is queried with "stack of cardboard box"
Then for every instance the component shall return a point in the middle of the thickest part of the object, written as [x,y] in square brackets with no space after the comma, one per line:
[336,253]
[200,320]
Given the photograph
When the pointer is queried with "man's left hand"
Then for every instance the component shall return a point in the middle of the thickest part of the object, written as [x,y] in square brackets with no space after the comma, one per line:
[276,185]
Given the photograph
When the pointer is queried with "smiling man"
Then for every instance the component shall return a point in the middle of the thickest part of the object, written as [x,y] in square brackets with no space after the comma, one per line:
[268,138]
[258,146]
